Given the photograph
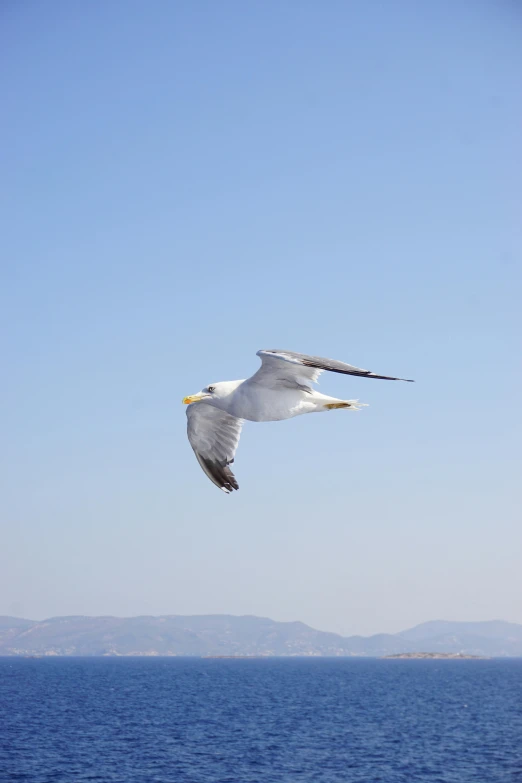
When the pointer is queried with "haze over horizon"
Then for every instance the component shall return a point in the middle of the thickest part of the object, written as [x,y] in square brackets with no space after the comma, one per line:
[338,180]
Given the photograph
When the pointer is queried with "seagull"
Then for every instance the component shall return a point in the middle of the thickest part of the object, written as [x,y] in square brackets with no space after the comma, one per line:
[279,390]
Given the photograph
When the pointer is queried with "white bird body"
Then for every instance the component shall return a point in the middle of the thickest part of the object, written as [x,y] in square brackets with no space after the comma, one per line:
[279,390]
[253,402]
[259,404]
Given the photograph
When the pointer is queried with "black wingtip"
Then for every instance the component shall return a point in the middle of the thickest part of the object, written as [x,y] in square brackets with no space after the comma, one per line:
[376,377]
[219,474]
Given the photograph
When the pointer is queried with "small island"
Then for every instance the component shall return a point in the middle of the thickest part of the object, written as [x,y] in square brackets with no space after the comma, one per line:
[437,655]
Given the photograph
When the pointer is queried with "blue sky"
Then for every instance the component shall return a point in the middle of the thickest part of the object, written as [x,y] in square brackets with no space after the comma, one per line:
[185,183]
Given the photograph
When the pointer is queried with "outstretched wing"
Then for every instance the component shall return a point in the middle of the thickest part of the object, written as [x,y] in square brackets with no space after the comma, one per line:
[298,368]
[214,435]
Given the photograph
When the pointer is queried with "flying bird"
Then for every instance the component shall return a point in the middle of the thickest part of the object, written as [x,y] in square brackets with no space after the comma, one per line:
[279,390]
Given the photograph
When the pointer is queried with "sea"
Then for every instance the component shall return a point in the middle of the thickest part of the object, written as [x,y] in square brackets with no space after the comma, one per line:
[275,720]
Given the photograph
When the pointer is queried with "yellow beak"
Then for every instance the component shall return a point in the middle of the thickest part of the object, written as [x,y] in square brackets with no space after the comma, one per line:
[193,398]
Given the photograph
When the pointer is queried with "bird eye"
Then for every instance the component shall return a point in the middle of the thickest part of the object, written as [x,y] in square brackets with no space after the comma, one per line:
[211,388]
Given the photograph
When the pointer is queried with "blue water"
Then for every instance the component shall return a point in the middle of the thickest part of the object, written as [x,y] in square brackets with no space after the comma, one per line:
[267,721]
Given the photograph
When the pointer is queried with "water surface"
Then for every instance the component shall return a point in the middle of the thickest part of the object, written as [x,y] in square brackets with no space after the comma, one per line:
[115,720]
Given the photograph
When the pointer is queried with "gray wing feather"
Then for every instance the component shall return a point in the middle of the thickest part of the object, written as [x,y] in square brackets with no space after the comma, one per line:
[319,364]
[214,436]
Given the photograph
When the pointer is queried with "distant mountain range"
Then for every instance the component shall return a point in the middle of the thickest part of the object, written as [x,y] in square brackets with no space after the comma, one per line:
[228,635]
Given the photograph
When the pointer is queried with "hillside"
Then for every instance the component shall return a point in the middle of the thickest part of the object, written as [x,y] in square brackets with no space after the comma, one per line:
[246,635]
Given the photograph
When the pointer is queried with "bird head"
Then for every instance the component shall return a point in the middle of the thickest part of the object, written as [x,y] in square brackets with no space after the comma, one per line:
[213,393]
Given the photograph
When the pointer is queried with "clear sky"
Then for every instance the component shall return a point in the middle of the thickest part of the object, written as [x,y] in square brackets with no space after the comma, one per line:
[184,183]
